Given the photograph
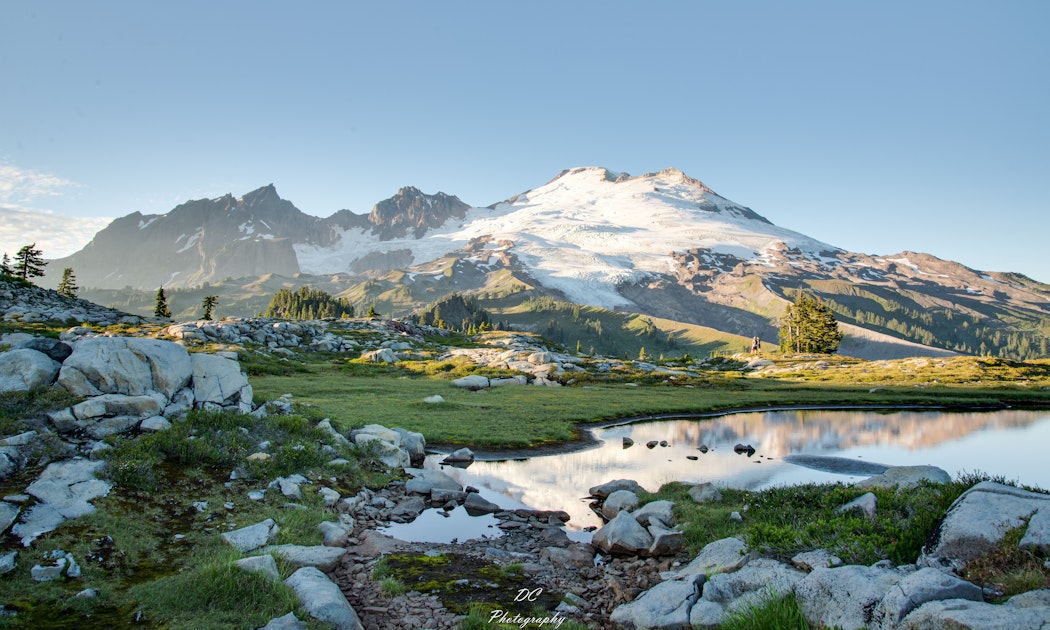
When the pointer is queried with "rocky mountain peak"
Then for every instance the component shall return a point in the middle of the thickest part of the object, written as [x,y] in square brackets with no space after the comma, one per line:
[412,211]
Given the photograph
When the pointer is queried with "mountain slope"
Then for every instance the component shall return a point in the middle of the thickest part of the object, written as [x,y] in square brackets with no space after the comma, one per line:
[662,245]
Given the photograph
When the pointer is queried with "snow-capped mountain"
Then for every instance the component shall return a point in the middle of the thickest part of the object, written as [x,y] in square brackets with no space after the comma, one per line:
[660,244]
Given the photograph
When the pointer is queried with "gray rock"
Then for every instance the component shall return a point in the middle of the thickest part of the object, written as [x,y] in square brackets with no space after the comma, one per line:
[323,599]
[460,455]
[408,508]
[665,606]
[414,444]
[662,511]
[1031,599]
[575,556]
[475,505]
[287,622]
[154,424]
[319,556]
[326,426]
[845,597]
[119,405]
[265,565]
[622,535]
[442,496]
[48,573]
[8,514]
[963,614]
[1036,537]
[979,519]
[666,542]
[335,534]
[618,501]
[63,490]
[914,590]
[124,365]
[705,615]
[25,369]
[8,562]
[761,580]
[604,490]
[329,496]
[817,559]
[425,480]
[705,493]
[473,382]
[727,554]
[383,355]
[252,537]
[866,503]
[53,348]
[290,489]
[906,477]
[220,381]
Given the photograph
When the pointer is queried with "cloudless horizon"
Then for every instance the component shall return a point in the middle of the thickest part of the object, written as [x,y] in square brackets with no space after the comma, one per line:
[875,127]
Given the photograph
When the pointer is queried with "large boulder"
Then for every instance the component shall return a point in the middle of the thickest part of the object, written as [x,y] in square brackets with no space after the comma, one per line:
[915,589]
[53,348]
[604,490]
[844,597]
[25,369]
[726,554]
[125,365]
[619,501]
[622,536]
[253,536]
[665,606]
[1018,613]
[323,599]
[425,480]
[978,520]
[219,381]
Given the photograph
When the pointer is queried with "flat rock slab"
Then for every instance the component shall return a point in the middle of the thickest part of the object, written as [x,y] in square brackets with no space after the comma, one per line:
[727,554]
[318,556]
[962,614]
[252,537]
[266,565]
[424,480]
[915,589]
[665,606]
[980,518]
[323,599]
[844,597]
[906,477]
[63,491]
[837,465]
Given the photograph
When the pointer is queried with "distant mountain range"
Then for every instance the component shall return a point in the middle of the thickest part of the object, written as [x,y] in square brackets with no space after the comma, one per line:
[660,244]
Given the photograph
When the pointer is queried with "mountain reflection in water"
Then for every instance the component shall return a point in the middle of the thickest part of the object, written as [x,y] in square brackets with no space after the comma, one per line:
[1005,443]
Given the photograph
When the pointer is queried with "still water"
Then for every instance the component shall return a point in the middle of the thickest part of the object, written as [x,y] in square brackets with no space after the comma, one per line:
[1009,443]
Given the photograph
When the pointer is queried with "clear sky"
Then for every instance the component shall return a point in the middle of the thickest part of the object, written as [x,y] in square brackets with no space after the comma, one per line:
[874,126]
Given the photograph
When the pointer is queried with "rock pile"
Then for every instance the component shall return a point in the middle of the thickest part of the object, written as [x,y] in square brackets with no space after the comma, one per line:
[27,304]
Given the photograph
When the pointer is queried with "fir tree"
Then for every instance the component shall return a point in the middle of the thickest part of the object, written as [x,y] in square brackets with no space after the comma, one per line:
[160,309]
[68,285]
[809,326]
[5,266]
[372,314]
[208,304]
[29,263]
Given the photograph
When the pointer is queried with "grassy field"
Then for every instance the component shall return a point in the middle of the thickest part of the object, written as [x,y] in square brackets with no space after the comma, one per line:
[354,394]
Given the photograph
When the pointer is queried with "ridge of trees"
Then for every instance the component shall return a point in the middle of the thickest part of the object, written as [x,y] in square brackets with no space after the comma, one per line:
[307,303]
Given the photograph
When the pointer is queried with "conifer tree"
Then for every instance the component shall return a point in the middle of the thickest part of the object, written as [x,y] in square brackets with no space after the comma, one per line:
[29,263]
[372,312]
[68,285]
[809,326]
[160,309]
[5,266]
[208,304]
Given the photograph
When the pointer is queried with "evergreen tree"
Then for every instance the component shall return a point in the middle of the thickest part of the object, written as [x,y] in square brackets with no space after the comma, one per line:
[160,309]
[809,326]
[372,314]
[68,285]
[5,266]
[29,263]
[208,304]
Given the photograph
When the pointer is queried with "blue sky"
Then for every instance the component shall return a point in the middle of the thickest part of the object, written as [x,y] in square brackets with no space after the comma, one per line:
[877,127]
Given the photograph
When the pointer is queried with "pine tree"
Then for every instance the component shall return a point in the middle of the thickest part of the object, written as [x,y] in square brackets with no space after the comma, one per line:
[809,326]
[208,304]
[372,314]
[5,266]
[68,285]
[160,309]
[29,263]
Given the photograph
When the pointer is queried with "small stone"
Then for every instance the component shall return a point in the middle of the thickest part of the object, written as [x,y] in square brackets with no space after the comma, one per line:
[735,516]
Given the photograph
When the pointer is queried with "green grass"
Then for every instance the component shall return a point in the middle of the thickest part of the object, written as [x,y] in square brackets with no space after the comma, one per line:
[19,409]
[354,394]
[781,613]
[784,521]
